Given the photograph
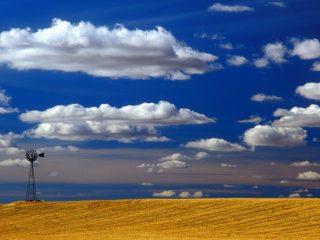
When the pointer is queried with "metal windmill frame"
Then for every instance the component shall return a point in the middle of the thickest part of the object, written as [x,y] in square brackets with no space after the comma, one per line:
[31,194]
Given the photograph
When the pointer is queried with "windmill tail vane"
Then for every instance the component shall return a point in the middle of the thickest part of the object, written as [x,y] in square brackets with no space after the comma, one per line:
[31,194]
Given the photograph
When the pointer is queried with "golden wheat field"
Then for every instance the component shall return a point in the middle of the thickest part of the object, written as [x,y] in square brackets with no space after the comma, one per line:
[163,219]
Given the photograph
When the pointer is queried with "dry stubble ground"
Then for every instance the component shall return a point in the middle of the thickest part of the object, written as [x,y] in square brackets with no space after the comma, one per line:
[163,219]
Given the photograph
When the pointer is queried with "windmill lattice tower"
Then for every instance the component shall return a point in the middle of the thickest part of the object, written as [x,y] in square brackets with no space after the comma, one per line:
[31,156]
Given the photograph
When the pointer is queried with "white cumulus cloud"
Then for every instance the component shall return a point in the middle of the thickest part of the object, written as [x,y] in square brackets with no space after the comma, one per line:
[310,175]
[175,160]
[185,195]
[197,194]
[264,135]
[172,164]
[261,62]
[309,90]
[116,52]
[126,124]
[218,7]
[237,60]
[201,155]
[176,156]
[215,144]
[306,48]
[298,117]
[273,52]
[294,195]
[167,193]
[316,66]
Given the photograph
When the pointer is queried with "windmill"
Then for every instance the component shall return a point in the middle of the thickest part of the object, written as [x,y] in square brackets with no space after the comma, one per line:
[31,156]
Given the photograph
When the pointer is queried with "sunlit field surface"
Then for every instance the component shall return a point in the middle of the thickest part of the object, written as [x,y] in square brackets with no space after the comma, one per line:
[163,219]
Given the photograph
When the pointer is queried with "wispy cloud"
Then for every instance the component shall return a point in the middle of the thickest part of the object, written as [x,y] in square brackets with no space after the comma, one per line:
[214,36]
[226,165]
[278,4]
[5,110]
[59,148]
[8,143]
[14,162]
[4,98]
[227,46]
[261,97]
[303,164]
[218,7]
[54,174]
[4,103]
[146,184]
[252,119]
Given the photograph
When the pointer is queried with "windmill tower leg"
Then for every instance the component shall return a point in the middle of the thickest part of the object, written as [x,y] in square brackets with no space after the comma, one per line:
[28,186]
[31,194]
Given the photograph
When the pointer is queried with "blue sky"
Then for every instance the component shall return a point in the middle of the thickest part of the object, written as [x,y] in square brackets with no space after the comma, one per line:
[225,92]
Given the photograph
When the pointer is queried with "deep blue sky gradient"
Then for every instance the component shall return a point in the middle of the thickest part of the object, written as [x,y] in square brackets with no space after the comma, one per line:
[223,94]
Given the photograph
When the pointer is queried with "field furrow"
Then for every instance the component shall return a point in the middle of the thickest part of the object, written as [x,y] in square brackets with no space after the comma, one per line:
[163,219]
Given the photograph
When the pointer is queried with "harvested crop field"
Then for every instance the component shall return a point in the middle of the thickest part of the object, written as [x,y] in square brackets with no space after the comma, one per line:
[163,219]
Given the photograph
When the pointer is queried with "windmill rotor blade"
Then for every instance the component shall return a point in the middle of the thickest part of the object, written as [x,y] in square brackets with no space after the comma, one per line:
[41,154]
